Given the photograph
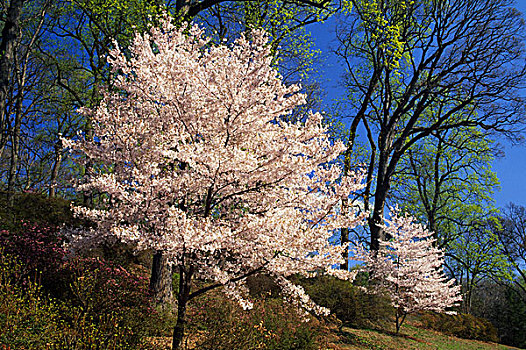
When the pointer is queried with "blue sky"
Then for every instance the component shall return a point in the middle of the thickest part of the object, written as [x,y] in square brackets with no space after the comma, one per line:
[511,169]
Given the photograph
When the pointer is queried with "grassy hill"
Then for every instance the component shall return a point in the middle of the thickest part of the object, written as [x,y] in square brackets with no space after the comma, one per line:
[411,338]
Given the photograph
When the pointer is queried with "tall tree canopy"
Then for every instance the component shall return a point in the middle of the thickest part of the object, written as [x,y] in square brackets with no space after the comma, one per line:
[67,64]
[416,68]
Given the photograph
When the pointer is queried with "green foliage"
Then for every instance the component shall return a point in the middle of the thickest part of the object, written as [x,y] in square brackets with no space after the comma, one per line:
[27,319]
[385,20]
[119,20]
[351,304]
[447,180]
[291,44]
[511,320]
[107,310]
[35,208]
[480,254]
[504,305]
[220,324]
[461,325]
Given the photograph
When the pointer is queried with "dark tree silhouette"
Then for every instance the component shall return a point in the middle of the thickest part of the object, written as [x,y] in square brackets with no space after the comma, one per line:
[421,67]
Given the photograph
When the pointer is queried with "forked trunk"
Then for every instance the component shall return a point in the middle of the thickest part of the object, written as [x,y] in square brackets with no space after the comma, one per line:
[183,296]
[400,318]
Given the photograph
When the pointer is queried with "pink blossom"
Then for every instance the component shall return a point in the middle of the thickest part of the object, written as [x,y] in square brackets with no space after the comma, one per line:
[197,160]
[410,268]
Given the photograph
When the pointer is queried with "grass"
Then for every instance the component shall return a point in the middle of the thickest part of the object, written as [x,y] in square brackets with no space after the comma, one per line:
[410,338]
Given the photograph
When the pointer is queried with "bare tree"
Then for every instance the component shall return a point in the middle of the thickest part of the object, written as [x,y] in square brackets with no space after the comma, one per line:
[513,240]
[188,9]
[415,68]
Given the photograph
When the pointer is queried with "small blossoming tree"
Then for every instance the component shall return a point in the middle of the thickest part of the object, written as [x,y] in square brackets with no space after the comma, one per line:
[410,269]
[195,158]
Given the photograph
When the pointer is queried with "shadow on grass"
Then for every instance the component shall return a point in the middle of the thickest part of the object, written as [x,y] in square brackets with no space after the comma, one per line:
[351,338]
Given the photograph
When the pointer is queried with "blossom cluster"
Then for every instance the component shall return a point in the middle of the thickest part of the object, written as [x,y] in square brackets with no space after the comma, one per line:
[193,155]
[410,268]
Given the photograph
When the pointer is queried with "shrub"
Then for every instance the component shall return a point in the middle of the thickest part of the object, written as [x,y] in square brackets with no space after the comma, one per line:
[103,331]
[106,302]
[460,325]
[39,250]
[351,304]
[261,286]
[221,324]
[37,208]
[28,320]
[99,287]
[107,309]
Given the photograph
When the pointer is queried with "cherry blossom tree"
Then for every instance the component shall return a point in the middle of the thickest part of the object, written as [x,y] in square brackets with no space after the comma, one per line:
[196,159]
[410,269]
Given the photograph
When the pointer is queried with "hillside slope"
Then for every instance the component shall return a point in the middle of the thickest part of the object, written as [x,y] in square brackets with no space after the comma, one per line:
[411,338]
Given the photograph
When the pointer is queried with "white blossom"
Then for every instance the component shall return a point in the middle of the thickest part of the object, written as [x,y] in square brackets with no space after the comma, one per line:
[197,160]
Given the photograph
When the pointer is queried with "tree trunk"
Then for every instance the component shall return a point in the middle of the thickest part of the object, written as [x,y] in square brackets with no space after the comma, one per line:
[468,295]
[10,36]
[54,171]
[397,321]
[386,167]
[15,143]
[20,73]
[15,135]
[344,231]
[345,241]
[178,334]
[185,285]
[348,152]
[400,318]
[161,281]
[376,221]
